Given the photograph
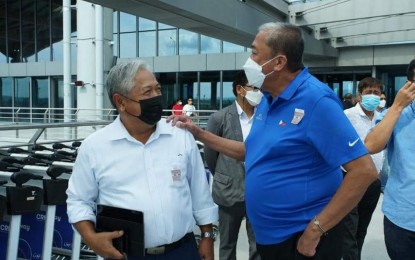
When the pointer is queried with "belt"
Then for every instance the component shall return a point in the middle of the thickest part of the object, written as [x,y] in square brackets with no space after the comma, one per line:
[163,249]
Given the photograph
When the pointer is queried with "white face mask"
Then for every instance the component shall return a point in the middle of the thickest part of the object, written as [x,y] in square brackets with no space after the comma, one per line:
[253,97]
[254,73]
[382,103]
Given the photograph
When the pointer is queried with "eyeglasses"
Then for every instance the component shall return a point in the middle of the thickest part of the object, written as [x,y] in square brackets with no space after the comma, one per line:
[254,89]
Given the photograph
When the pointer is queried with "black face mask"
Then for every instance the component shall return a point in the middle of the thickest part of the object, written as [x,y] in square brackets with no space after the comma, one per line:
[151,109]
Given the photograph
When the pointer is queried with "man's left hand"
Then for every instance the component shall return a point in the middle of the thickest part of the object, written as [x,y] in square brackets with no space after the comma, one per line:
[206,249]
[308,241]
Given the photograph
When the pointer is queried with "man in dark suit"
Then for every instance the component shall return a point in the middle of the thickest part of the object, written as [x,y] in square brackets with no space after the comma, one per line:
[232,122]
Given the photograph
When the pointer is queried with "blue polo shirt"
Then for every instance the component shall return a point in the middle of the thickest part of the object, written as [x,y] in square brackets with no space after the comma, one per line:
[293,156]
[399,197]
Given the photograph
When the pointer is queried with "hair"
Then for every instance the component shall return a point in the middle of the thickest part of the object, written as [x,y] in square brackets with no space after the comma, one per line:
[369,82]
[239,79]
[410,72]
[121,77]
[286,39]
[348,96]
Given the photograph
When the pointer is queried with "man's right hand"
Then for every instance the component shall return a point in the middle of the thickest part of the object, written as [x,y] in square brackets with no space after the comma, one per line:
[101,244]
[404,96]
[183,121]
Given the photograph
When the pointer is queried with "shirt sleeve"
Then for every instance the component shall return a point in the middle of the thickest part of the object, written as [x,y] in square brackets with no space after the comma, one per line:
[332,134]
[205,211]
[82,188]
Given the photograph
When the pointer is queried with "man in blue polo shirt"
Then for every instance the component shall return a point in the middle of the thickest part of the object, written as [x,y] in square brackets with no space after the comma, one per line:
[396,130]
[300,137]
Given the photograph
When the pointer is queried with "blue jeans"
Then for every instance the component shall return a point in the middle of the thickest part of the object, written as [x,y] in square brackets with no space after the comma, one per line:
[400,243]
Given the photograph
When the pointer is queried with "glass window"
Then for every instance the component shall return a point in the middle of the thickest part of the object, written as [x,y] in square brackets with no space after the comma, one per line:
[57,32]
[6,86]
[115,46]
[147,44]
[40,90]
[74,48]
[230,47]
[28,35]
[347,87]
[209,44]
[227,92]
[188,42]
[209,87]
[21,98]
[40,98]
[43,30]
[169,88]
[115,21]
[57,48]
[13,30]
[146,24]
[167,42]
[165,26]
[128,22]
[3,58]
[128,45]
[188,84]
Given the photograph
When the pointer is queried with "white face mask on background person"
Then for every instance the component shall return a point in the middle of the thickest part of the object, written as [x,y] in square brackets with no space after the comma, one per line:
[254,73]
[382,103]
[253,97]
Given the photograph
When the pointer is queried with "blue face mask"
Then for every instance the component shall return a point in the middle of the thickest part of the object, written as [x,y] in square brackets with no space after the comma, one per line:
[370,102]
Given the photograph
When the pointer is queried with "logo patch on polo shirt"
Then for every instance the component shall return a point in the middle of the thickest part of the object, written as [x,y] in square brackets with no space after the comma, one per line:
[281,123]
[298,116]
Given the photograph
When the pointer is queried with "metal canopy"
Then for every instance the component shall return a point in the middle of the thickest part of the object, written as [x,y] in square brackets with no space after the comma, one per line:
[230,20]
[350,23]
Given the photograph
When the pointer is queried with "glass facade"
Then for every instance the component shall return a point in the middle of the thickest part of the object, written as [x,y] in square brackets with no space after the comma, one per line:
[31,31]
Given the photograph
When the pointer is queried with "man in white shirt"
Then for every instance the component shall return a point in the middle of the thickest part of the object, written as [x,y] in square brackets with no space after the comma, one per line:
[189,109]
[126,165]
[363,117]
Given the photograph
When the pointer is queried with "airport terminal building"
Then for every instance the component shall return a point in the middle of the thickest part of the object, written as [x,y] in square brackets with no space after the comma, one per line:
[55,55]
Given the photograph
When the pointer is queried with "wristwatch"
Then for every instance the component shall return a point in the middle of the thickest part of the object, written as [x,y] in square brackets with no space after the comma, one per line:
[209,234]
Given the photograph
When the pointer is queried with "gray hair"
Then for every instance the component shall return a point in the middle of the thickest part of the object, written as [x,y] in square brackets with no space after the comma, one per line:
[287,39]
[121,77]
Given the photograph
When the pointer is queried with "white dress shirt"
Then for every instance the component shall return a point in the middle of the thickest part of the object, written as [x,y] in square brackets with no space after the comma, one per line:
[246,122]
[165,178]
[189,109]
[363,125]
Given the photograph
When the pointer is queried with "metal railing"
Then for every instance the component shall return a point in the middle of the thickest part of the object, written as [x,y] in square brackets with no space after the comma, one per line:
[23,126]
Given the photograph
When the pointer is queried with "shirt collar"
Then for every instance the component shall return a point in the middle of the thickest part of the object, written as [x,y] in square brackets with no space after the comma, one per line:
[290,90]
[362,113]
[118,130]
[242,113]
[292,87]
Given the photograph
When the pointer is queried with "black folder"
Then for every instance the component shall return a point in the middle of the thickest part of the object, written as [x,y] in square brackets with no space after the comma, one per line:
[130,221]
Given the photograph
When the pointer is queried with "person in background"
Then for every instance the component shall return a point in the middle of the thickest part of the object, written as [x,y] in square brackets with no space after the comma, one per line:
[363,118]
[189,109]
[348,101]
[177,108]
[119,166]
[384,172]
[233,122]
[396,132]
[382,104]
[295,194]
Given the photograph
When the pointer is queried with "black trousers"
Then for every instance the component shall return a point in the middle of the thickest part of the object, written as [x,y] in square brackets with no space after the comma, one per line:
[329,248]
[357,222]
